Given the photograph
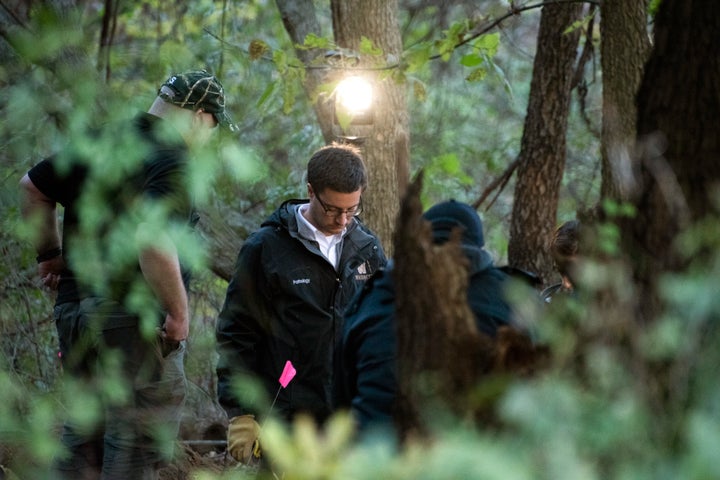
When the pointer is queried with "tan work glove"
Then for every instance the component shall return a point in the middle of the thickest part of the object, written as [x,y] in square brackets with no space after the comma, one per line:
[242,438]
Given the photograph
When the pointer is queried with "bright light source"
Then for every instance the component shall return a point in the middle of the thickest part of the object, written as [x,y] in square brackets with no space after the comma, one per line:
[354,95]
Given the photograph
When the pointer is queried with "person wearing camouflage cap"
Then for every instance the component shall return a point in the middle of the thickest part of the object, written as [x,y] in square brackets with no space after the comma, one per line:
[96,312]
[197,90]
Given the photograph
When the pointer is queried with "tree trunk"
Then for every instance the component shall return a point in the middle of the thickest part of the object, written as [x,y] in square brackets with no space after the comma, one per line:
[542,151]
[300,20]
[624,49]
[676,173]
[386,144]
[439,346]
[679,131]
[443,359]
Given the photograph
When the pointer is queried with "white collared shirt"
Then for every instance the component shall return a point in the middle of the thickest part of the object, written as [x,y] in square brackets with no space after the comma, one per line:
[329,244]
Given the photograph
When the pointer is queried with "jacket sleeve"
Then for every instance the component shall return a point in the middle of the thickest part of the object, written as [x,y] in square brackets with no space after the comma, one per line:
[239,326]
[368,383]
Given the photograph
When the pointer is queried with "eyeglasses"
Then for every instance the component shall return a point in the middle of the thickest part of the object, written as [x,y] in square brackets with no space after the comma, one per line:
[335,212]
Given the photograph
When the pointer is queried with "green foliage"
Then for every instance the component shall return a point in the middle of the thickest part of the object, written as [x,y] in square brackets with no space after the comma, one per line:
[485,48]
[653,6]
[445,172]
[464,131]
[367,47]
[257,49]
[614,209]
[305,452]
[314,41]
[416,57]
[453,37]
[580,24]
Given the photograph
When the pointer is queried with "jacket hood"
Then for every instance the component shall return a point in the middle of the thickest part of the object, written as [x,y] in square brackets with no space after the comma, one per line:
[480,259]
[284,216]
[446,216]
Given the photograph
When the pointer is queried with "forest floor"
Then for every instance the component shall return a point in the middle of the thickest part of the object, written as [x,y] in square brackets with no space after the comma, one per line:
[187,466]
[191,462]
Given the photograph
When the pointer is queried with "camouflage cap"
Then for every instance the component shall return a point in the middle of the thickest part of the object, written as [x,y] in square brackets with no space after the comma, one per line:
[198,89]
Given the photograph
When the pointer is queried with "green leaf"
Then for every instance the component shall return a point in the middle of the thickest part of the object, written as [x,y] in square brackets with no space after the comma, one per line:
[476,75]
[314,41]
[257,49]
[419,90]
[266,93]
[343,119]
[453,37]
[280,60]
[471,60]
[579,24]
[487,44]
[417,57]
[368,47]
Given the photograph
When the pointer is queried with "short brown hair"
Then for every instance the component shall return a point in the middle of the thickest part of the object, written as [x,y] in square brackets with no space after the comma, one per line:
[339,167]
[565,245]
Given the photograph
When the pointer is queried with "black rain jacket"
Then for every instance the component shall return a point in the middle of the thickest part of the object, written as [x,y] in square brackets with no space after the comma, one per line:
[284,302]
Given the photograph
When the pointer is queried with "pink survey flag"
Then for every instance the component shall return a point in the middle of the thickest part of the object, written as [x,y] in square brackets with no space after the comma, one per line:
[287,374]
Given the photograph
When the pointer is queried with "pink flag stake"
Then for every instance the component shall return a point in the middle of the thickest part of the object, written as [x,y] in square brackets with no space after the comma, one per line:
[286,376]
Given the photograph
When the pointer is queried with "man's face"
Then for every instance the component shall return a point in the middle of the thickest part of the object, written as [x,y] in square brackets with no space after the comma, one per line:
[203,125]
[331,211]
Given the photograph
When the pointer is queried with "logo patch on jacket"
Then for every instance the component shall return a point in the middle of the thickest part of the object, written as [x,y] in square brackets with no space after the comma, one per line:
[363,272]
[298,281]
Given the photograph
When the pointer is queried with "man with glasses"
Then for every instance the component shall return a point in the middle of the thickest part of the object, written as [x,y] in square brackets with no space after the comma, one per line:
[286,299]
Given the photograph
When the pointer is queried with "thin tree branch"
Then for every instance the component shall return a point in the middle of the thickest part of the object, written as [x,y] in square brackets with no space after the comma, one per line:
[578,78]
[12,14]
[512,12]
[499,183]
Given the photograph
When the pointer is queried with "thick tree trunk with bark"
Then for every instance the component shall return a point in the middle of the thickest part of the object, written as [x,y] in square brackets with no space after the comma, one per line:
[624,48]
[443,359]
[543,148]
[300,20]
[679,134]
[440,349]
[386,144]
[676,178]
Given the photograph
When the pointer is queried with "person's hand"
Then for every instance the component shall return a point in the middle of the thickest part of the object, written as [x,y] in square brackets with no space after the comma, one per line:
[175,328]
[49,272]
[242,438]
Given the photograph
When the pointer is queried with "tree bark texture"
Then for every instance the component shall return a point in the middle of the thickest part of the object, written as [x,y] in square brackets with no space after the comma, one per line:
[679,133]
[300,20]
[443,359]
[438,343]
[386,142]
[624,48]
[543,146]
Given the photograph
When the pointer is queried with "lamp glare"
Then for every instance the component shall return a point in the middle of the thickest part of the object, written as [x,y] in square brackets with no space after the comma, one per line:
[354,94]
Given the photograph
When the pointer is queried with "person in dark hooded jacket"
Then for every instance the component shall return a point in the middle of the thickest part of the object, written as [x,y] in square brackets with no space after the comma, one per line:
[292,281]
[368,349]
[564,248]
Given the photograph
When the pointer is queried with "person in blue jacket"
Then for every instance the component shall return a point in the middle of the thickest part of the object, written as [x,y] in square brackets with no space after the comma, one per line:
[368,381]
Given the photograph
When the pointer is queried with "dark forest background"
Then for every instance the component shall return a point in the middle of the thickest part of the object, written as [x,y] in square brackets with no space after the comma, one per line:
[535,113]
